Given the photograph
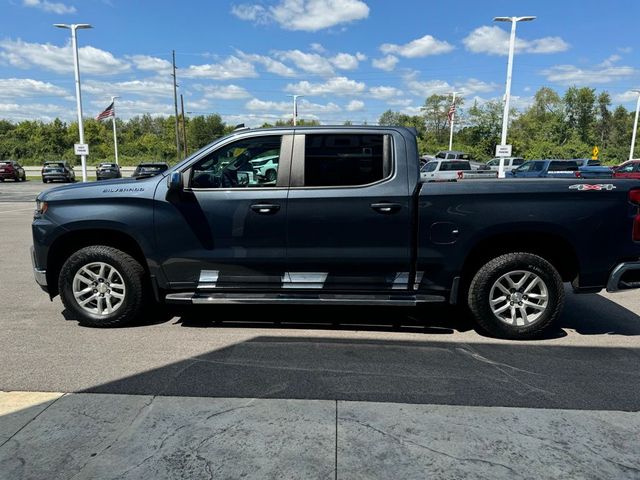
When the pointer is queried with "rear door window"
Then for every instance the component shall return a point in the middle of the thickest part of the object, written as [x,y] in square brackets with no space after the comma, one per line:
[558,166]
[346,159]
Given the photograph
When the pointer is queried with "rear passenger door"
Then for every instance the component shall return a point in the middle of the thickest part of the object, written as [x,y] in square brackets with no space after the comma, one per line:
[348,221]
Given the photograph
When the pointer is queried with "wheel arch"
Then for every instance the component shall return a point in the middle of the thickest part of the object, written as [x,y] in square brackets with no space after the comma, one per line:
[553,247]
[72,241]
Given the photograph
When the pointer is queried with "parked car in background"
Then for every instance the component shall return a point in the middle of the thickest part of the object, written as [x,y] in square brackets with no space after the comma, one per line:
[11,170]
[266,167]
[58,171]
[451,170]
[150,169]
[589,168]
[107,170]
[509,163]
[546,168]
[630,169]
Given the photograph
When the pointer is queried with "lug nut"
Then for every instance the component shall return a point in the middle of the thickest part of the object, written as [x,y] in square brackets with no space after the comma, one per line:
[95,291]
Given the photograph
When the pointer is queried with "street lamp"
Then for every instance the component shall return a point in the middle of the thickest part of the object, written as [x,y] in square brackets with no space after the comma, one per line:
[507,95]
[635,126]
[295,107]
[74,46]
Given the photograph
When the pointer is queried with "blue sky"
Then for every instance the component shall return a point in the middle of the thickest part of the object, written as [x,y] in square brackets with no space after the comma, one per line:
[352,59]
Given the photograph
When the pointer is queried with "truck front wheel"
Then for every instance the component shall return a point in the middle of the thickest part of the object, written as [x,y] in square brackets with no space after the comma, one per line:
[102,286]
[516,295]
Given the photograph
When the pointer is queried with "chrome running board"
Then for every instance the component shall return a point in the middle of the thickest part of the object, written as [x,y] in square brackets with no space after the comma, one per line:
[204,298]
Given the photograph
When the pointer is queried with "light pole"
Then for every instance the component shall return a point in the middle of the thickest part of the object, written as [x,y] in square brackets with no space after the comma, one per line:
[635,126]
[295,108]
[452,115]
[115,132]
[507,95]
[74,46]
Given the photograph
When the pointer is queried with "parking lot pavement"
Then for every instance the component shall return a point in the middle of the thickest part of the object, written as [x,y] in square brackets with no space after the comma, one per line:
[22,191]
[416,357]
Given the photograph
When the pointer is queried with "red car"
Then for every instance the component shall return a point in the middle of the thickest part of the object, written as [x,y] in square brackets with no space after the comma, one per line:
[630,169]
[10,169]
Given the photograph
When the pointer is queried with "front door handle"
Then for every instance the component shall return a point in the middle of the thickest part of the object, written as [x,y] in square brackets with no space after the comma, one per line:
[265,208]
[386,207]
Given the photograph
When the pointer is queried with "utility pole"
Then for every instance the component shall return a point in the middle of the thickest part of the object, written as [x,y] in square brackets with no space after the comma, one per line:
[184,128]
[175,104]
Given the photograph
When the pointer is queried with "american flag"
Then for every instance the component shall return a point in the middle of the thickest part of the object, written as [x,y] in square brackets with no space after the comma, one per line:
[452,111]
[108,112]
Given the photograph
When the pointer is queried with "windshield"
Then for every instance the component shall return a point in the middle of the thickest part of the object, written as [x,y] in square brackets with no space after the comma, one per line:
[429,167]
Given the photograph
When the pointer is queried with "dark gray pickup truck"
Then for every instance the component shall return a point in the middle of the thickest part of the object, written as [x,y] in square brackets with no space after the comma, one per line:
[344,221]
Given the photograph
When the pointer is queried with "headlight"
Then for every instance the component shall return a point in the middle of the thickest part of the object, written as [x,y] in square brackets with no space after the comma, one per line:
[41,207]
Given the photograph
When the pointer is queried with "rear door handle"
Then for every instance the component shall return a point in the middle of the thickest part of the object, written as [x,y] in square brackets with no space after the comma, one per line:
[386,207]
[265,208]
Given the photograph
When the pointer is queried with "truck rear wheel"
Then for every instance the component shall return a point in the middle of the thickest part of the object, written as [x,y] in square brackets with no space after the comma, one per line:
[102,286]
[516,296]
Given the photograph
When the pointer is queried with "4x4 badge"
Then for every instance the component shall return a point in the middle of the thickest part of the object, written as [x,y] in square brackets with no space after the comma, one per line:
[597,186]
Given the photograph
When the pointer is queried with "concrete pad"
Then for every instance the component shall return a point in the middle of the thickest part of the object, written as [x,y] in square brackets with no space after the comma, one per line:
[19,408]
[383,440]
[95,436]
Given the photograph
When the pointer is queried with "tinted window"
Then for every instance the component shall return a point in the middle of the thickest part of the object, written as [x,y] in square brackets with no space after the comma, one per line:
[627,168]
[454,166]
[346,159]
[563,166]
[593,163]
[464,156]
[441,155]
[232,166]
[494,163]
[517,161]
[430,167]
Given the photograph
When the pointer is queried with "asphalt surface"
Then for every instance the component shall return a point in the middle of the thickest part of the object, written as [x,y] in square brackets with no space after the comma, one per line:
[431,355]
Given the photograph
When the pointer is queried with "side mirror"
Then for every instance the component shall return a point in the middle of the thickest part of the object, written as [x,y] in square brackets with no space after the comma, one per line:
[174,182]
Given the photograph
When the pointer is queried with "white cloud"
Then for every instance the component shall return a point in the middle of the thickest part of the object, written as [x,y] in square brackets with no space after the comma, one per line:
[40,111]
[383,93]
[271,65]
[611,60]
[625,97]
[317,47]
[147,88]
[572,74]
[420,47]
[495,41]
[386,63]
[60,59]
[224,92]
[148,63]
[230,68]
[304,107]
[51,7]
[340,86]
[441,87]
[307,62]
[306,15]
[400,102]
[346,61]
[27,87]
[355,106]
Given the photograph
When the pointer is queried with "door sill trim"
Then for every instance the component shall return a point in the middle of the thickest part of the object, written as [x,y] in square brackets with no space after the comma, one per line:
[206,298]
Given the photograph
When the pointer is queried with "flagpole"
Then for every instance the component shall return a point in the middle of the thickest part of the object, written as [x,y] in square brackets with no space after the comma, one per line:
[115,133]
[451,119]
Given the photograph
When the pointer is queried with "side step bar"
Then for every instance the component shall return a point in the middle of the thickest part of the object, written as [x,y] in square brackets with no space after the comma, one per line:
[204,298]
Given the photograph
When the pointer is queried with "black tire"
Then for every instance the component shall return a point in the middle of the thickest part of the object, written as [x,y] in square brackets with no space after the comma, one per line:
[44,180]
[271,175]
[487,276]
[132,274]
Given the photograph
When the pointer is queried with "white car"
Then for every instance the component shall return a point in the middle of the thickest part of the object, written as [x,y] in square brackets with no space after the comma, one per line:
[509,163]
[266,167]
[451,171]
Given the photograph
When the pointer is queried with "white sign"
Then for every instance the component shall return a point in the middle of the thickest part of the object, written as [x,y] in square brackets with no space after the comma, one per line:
[81,148]
[503,150]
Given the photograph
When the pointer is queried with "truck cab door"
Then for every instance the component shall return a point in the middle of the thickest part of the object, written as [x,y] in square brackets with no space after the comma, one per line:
[227,227]
[348,222]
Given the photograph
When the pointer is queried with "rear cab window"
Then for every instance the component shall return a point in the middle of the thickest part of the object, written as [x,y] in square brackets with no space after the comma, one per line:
[340,160]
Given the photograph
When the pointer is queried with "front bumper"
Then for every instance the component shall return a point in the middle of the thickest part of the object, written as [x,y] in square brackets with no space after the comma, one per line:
[624,276]
[40,275]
